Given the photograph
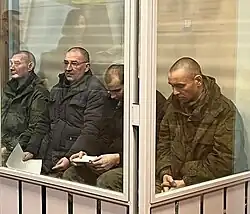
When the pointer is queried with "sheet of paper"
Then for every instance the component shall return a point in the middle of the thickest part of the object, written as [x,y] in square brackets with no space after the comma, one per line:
[84,159]
[15,161]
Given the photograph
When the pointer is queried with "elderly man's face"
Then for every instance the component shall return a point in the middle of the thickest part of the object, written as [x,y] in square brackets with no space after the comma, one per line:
[75,65]
[186,87]
[20,66]
[115,88]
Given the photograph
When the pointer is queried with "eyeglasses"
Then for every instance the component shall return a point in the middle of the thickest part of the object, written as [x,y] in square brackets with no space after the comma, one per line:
[74,64]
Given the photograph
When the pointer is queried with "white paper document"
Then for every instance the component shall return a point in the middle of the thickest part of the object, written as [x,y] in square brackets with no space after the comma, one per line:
[84,159]
[15,161]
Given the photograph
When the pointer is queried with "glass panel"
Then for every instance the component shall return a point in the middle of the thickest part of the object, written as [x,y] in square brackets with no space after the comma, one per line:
[201,54]
[64,105]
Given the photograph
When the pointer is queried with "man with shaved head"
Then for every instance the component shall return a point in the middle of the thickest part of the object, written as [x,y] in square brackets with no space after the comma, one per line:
[201,135]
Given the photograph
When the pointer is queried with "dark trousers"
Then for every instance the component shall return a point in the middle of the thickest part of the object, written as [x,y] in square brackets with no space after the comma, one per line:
[81,174]
[112,179]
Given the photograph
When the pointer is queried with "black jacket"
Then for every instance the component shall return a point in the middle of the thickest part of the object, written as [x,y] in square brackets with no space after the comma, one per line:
[111,139]
[111,136]
[76,114]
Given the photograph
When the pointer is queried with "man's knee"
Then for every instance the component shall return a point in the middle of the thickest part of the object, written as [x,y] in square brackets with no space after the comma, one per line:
[80,174]
[112,179]
[70,174]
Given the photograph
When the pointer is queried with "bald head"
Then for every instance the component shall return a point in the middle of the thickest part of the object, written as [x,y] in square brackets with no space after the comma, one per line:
[187,64]
[185,77]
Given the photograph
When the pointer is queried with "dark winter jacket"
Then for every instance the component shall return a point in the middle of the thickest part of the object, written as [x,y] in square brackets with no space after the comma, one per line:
[24,114]
[76,114]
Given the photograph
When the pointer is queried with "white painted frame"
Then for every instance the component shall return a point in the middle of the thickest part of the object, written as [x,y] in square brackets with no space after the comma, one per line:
[147,76]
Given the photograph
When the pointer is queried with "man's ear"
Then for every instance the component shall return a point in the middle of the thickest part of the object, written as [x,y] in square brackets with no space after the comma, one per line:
[198,79]
[87,67]
[30,66]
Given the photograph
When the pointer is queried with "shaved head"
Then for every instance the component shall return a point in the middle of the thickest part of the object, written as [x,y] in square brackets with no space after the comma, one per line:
[83,52]
[187,64]
[186,80]
[113,79]
[114,71]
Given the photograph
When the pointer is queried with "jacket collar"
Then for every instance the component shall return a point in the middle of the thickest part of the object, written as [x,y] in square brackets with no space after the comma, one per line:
[74,88]
[63,82]
[207,103]
[16,92]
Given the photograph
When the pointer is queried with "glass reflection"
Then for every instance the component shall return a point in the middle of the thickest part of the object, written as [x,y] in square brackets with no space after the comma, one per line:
[76,127]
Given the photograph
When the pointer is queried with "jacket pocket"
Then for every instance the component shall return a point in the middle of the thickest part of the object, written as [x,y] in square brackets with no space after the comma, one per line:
[16,120]
[77,103]
[75,111]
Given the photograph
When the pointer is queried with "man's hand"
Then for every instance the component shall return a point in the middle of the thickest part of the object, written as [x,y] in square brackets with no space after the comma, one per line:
[77,155]
[167,182]
[104,162]
[180,183]
[27,156]
[62,164]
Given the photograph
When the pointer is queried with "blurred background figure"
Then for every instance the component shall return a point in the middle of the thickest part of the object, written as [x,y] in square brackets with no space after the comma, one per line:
[11,29]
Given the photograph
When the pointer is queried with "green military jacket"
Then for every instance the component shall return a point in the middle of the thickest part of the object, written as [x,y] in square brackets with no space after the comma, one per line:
[204,144]
[24,114]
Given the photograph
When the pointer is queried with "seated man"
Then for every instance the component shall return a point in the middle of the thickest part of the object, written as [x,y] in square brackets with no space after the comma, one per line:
[197,139]
[107,169]
[24,108]
[110,146]
[76,111]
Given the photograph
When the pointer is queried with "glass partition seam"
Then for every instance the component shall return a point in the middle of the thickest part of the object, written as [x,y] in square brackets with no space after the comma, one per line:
[242,65]
[131,55]
[145,99]
[153,114]
[129,161]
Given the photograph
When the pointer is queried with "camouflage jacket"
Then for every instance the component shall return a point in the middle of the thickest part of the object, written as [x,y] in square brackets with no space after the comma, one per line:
[203,145]
[24,114]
